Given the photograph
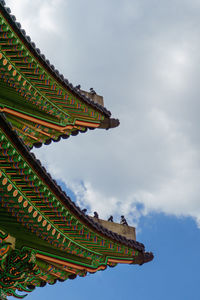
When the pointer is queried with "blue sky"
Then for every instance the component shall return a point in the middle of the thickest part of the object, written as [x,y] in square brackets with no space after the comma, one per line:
[173,274]
[143,56]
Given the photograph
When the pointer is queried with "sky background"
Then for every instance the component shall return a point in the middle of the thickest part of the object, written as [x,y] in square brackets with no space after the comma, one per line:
[143,56]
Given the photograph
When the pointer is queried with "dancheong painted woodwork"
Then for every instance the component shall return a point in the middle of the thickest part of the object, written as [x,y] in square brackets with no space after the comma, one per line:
[44,236]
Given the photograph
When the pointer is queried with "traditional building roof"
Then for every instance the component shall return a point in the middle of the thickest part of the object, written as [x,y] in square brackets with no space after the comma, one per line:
[44,236]
[47,107]
[62,241]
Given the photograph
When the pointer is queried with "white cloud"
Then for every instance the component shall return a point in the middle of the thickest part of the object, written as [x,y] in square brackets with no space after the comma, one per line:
[40,14]
[173,68]
[143,56]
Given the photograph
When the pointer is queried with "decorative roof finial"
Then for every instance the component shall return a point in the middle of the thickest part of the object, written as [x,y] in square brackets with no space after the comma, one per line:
[123,221]
[96,215]
[110,219]
[92,91]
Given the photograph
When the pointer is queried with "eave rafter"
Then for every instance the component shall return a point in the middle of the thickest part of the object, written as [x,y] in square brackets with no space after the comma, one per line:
[34,194]
[42,212]
[25,73]
[49,238]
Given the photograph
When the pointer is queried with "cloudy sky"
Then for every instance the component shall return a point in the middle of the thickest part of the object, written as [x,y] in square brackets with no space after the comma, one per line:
[143,56]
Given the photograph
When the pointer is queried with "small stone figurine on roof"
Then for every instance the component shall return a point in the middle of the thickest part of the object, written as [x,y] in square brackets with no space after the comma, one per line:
[110,219]
[96,215]
[92,91]
[123,221]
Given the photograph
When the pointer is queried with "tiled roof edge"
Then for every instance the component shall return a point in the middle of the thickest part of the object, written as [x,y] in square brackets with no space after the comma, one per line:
[61,136]
[45,62]
[36,165]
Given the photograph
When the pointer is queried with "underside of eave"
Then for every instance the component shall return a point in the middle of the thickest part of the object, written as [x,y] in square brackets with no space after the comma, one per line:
[34,163]
[16,27]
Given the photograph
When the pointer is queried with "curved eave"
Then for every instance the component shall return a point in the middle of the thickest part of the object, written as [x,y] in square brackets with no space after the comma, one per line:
[6,12]
[64,199]
[141,259]
[106,124]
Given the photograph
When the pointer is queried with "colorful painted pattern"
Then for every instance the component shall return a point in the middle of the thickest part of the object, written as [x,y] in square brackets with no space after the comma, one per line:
[53,239]
[27,198]
[43,96]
